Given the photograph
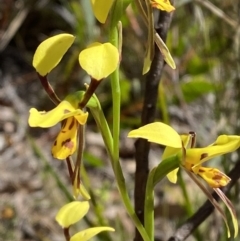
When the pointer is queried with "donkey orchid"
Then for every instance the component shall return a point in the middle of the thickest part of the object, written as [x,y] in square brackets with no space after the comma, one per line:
[68,112]
[193,158]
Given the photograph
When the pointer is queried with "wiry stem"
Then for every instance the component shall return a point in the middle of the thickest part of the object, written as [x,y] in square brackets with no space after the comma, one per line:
[49,89]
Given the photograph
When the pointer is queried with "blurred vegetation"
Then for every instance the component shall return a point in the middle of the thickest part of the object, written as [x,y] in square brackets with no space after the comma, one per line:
[202,95]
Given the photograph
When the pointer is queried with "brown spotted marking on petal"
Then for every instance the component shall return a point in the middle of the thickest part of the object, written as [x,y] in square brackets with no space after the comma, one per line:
[204,155]
[55,143]
[66,111]
[64,142]
[220,177]
[68,144]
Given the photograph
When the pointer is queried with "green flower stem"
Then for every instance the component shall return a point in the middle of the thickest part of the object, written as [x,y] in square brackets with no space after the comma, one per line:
[155,176]
[116,98]
[77,168]
[99,117]
[149,206]
[104,128]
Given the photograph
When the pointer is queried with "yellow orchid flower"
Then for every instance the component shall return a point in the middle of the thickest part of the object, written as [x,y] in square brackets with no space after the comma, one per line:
[68,112]
[193,158]
[163,5]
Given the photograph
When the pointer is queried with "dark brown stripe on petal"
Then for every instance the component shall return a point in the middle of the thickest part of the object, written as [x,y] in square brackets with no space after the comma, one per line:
[64,123]
[55,143]
[72,124]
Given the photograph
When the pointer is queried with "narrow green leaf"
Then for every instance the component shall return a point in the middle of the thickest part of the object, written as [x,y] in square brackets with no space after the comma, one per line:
[164,50]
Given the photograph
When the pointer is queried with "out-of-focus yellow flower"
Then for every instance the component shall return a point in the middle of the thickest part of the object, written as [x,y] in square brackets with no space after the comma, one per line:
[68,112]
[163,5]
[101,9]
[193,158]
[71,213]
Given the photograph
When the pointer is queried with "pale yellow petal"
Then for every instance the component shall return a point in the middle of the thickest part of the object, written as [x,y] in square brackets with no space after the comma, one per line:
[72,213]
[50,52]
[89,233]
[101,9]
[159,133]
[99,60]
[51,118]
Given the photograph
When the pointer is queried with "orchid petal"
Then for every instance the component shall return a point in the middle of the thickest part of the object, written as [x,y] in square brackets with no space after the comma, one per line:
[172,176]
[224,144]
[72,213]
[99,60]
[89,233]
[50,52]
[101,9]
[159,133]
[62,111]
[213,176]
[66,142]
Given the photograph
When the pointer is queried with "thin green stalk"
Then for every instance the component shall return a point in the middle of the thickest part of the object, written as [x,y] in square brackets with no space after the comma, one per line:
[100,119]
[155,176]
[116,98]
[149,206]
